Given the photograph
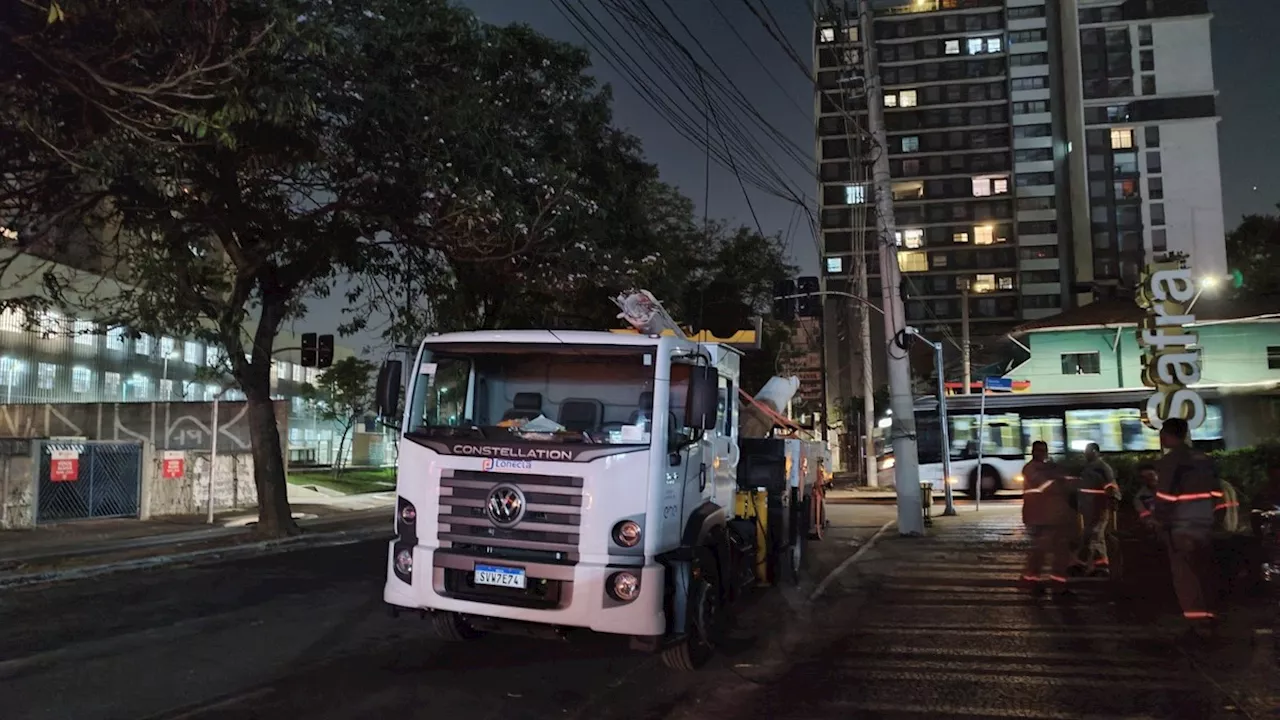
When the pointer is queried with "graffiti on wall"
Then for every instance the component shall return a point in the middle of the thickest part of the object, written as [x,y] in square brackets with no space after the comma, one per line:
[168,426]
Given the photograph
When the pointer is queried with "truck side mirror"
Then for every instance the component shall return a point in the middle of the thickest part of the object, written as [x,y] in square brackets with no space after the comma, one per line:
[388,391]
[703,400]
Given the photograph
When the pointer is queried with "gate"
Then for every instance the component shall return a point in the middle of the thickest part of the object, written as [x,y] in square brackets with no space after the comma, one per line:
[93,479]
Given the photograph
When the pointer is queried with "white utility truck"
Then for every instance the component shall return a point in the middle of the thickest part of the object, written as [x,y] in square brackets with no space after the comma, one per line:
[552,481]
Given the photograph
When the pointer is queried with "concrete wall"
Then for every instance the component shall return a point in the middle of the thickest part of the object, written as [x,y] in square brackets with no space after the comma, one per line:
[233,485]
[17,492]
[168,426]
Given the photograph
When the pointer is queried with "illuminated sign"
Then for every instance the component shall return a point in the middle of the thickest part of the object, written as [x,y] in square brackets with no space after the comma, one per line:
[1171,354]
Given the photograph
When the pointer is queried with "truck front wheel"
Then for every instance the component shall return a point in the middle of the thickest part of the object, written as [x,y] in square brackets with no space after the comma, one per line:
[452,627]
[703,621]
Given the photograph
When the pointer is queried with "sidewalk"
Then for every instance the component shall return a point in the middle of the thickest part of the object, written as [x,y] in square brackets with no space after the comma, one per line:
[77,547]
[937,627]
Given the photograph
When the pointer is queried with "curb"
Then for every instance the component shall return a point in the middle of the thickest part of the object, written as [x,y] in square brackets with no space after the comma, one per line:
[254,549]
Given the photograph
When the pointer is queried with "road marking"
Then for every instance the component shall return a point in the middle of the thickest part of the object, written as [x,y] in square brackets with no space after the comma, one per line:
[831,576]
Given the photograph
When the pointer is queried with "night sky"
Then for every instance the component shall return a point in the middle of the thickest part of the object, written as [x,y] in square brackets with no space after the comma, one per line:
[1244,68]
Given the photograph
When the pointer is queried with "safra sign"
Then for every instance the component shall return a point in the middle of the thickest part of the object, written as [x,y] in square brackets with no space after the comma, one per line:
[1171,354]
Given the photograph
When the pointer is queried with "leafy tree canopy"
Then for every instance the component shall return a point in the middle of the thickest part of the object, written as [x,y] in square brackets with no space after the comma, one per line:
[1253,249]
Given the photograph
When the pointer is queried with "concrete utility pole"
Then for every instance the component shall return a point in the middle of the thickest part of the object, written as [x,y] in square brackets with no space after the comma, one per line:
[964,338]
[906,468]
[862,317]
[868,383]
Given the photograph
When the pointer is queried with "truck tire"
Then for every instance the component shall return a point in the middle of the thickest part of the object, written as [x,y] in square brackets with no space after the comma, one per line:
[704,618]
[451,627]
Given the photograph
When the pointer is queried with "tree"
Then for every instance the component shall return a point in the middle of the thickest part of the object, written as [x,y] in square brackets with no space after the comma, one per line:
[343,394]
[1253,249]
[308,140]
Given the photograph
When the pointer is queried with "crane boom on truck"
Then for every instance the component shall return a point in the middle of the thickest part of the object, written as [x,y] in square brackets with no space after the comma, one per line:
[555,481]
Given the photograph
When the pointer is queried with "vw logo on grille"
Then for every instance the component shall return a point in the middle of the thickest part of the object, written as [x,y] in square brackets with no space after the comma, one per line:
[505,505]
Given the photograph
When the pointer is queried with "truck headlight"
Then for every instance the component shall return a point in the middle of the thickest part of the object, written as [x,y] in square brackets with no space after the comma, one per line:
[627,533]
[624,586]
[404,561]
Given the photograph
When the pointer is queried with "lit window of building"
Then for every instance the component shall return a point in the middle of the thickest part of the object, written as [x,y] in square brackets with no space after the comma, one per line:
[907,98]
[987,185]
[1121,138]
[1005,282]
[12,319]
[192,352]
[86,332]
[46,374]
[983,284]
[166,389]
[81,380]
[913,237]
[167,347]
[110,383]
[50,323]
[913,261]
[116,338]
[984,235]
[835,264]
[960,237]
[142,346]
[284,370]
[855,194]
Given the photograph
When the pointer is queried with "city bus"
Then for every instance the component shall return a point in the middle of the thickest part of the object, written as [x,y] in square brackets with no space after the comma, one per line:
[1067,422]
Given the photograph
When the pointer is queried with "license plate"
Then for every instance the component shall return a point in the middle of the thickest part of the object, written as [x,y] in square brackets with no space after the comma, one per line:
[500,576]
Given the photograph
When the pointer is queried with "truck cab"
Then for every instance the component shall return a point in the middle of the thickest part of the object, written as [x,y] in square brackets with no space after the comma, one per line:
[558,480]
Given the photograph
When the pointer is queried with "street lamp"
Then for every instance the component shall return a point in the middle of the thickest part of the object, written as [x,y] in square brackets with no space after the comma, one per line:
[1208,282]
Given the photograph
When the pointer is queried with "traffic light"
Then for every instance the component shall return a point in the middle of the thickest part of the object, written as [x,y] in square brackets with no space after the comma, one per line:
[324,351]
[308,349]
[1237,279]
[784,304]
[810,302]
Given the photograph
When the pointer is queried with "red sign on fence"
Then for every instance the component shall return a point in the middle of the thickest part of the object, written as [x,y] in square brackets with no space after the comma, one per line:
[64,466]
[175,464]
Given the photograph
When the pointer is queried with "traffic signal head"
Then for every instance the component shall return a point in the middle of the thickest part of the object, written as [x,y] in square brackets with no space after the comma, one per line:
[784,302]
[308,349]
[810,302]
[1237,279]
[324,351]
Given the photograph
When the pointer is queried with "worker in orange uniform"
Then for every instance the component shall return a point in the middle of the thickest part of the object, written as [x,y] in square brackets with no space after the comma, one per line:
[1050,520]
[1099,494]
[1187,494]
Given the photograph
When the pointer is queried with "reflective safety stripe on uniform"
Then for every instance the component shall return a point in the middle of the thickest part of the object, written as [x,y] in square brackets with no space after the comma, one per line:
[1041,488]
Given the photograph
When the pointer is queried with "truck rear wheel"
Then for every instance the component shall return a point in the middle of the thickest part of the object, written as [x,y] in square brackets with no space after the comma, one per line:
[703,620]
[452,627]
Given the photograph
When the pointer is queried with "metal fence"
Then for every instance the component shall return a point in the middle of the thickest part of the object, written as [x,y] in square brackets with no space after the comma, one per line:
[92,479]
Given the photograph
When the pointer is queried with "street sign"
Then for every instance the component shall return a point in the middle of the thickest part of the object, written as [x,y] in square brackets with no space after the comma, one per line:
[174,465]
[999,384]
[64,465]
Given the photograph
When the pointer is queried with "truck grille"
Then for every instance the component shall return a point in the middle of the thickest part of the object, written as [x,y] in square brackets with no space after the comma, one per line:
[547,533]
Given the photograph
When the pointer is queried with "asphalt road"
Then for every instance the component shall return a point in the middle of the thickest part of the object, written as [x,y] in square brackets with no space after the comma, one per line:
[305,634]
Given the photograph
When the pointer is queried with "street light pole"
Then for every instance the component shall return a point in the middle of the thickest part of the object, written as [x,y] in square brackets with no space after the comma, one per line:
[944,422]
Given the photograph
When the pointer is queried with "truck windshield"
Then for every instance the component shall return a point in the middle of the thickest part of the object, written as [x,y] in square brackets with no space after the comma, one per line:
[565,394]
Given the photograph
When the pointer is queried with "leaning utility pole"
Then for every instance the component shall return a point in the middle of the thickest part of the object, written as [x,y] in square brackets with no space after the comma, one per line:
[906,468]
